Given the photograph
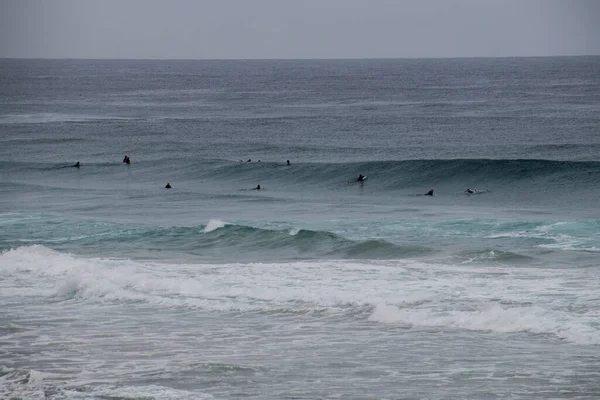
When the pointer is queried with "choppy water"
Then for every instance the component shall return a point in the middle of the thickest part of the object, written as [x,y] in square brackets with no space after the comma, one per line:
[315,286]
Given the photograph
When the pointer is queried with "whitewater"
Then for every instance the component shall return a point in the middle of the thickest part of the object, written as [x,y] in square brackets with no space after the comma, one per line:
[315,286]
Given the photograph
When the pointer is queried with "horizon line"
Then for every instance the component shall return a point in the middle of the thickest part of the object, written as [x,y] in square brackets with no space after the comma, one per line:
[295,59]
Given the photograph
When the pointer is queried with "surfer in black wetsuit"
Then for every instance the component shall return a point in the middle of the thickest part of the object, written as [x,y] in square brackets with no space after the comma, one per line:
[470,191]
[76,165]
[361,178]
[288,162]
[257,187]
[126,160]
[168,186]
[429,193]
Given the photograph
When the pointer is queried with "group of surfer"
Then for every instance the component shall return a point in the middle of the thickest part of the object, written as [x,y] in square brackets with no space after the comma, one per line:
[361,178]
[127,160]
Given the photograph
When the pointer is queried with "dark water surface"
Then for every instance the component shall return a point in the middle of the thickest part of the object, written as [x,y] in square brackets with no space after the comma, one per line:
[315,286]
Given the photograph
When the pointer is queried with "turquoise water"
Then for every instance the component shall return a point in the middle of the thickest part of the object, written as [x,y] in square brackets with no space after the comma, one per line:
[315,286]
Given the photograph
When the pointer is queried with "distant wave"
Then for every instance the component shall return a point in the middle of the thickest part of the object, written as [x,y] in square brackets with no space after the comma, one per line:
[410,173]
[383,175]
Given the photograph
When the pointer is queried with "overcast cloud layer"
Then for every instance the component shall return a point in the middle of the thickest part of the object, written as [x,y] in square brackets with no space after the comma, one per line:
[225,29]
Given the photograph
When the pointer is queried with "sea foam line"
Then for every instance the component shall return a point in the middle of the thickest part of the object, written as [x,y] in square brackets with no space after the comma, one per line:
[537,300]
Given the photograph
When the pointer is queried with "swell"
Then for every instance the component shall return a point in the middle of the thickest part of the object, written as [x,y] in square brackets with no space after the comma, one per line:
[383,175]
[407,173]
[457,241]
[214,241]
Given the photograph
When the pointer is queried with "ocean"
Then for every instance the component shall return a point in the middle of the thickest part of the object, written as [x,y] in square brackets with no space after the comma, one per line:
[316,286]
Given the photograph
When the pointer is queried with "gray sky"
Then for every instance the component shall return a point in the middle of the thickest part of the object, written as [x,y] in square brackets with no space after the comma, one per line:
[226,29]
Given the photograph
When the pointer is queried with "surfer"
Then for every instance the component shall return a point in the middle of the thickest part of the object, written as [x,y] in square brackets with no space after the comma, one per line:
[361,178]
[168,186]
[429,193]
[470,191]
[126,160]
[76,165]
[288,162]
[257,187]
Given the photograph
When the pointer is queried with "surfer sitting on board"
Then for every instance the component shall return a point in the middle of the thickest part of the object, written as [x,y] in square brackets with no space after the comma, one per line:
[77,165]
[430,193]
[257,187]
[168,186]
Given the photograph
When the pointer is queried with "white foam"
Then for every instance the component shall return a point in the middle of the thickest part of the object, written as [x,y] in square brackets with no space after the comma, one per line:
[508,299]
[560,241]
[16,384]
[494,317]
[509,235]
[134,392]
[40,271]
[214,224]
[566,242]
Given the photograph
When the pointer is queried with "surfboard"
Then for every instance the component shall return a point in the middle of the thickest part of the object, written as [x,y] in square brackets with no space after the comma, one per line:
[357,181]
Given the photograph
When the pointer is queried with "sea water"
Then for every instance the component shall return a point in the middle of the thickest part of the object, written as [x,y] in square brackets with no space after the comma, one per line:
[315,286]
